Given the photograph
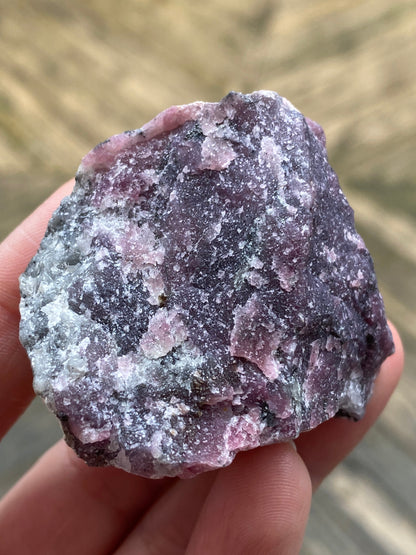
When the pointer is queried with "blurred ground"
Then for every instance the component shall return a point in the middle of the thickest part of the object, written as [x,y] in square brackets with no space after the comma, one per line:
[74,73]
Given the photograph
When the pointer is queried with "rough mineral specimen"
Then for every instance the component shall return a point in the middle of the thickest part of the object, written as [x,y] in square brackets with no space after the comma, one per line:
[203,291]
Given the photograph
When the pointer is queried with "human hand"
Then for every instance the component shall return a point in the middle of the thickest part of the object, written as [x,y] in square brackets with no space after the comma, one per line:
[259,504]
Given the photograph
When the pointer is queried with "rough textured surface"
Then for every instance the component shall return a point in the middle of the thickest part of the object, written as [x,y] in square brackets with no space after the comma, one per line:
[203,291]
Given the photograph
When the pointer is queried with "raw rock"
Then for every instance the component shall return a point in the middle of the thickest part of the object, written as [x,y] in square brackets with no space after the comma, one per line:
[203,291]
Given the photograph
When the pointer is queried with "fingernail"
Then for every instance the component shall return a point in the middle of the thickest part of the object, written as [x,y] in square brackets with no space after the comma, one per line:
[293,444]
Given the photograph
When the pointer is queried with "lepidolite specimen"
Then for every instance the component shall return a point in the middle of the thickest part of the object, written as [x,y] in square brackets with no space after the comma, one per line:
[203,291]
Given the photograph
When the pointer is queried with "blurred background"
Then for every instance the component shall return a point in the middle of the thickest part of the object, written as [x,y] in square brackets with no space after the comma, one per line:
[73,73]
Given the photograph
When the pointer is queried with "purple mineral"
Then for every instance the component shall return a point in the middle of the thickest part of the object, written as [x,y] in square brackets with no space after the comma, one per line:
[203,291]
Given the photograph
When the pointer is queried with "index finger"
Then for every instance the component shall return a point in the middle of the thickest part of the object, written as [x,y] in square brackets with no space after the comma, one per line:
[16,252]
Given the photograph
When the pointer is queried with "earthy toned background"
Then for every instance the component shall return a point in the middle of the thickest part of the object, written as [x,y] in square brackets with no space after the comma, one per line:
[75,72]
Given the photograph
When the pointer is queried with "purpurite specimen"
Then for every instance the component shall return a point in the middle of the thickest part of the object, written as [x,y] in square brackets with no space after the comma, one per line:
[203,291]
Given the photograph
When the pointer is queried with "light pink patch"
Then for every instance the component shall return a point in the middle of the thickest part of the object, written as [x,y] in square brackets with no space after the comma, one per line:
[171,118]
[89,435]
[255,279]
[243,431]
[216,154]
[313,367]
[316,130]
[104,154]
[138,246]
[164,332]
[215,398]
[254,337]
[287,278]
[153,281]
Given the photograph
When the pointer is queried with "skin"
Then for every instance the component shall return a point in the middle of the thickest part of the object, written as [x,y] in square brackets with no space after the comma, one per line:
[259,504]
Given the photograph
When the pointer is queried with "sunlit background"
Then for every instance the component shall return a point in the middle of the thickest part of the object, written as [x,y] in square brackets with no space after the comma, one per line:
[74,72]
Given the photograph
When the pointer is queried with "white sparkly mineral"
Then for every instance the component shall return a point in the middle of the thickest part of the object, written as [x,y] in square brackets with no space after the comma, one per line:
[203,291]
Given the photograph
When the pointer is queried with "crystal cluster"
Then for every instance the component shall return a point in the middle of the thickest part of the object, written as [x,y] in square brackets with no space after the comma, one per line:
[203,291]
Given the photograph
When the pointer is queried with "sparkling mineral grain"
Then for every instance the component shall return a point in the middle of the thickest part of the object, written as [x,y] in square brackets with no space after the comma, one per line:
[203,291]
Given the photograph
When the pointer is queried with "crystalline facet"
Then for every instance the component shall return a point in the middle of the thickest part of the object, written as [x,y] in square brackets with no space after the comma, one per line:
[203,291]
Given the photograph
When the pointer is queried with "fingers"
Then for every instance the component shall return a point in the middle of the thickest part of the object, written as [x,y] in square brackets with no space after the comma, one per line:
[15,253]
[323,448]
[259,504]
[167,526]
[63,506]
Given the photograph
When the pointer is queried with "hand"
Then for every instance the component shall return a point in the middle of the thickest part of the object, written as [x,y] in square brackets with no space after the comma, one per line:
[259,504]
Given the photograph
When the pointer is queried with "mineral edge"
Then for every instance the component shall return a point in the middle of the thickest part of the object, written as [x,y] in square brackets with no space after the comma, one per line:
[203,291]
